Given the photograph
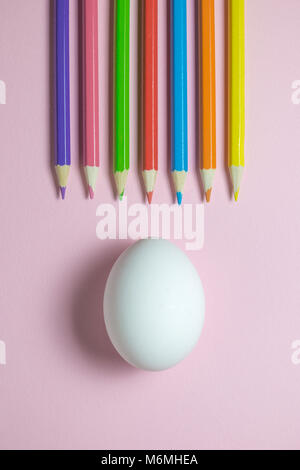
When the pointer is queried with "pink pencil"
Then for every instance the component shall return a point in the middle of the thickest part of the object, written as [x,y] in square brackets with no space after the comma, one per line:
[91,94]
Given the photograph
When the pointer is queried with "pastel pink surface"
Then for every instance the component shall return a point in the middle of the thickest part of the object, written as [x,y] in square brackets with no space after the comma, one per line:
[91,81]
[63,385]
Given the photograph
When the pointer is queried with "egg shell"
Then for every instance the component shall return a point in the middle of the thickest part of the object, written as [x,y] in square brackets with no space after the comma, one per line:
[154,305]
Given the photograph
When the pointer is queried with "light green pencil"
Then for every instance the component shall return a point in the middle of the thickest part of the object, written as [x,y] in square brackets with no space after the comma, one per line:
[121,139]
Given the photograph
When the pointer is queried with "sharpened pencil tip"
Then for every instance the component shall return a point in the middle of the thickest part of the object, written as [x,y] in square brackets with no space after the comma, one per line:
[63,191]
[236,195]
[149,196]
[91,192]
[179,198]
[208,195]
[121,196]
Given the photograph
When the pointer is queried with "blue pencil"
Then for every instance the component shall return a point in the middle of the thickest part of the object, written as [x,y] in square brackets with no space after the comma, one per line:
[179,117]
[63,157]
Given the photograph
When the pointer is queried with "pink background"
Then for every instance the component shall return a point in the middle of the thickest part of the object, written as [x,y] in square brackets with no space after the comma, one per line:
[63,385]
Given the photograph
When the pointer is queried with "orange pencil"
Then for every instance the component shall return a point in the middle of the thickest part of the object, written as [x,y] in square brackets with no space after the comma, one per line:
[207,75]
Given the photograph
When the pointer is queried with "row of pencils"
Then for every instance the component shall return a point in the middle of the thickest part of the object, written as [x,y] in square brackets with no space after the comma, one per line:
[178,89]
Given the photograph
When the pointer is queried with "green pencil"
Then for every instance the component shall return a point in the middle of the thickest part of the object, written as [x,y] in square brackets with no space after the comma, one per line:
[121,141]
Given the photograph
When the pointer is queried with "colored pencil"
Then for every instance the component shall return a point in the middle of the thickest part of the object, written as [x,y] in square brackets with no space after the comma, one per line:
[150,90]
[63,154]
[121,93]
[179,118]
[207,76]
[236,99]
[91,95]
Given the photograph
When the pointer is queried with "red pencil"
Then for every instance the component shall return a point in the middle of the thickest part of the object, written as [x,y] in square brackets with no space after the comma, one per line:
[150,127]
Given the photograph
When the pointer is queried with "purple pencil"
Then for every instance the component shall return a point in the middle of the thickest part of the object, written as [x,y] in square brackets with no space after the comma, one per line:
[63,154]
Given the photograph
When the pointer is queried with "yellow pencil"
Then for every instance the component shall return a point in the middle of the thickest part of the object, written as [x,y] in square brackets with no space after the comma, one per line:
[236,98]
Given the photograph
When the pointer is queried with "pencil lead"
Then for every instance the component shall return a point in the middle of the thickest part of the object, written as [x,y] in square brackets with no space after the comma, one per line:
[91,192]
[120,179]
[179,198]
[63,191]
[91,174]
[236,173]
[149,196]
[208,195]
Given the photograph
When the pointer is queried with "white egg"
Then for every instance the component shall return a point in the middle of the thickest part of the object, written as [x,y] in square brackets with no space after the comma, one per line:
[154,305]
